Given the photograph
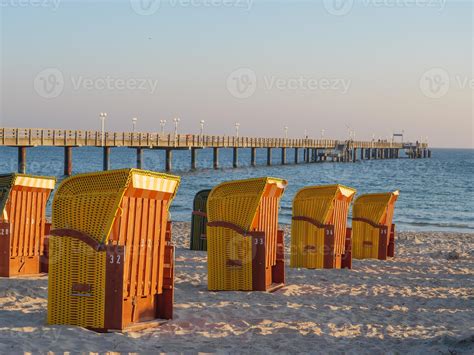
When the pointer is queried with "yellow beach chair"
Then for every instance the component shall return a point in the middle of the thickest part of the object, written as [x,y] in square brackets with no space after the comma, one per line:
[372,228]
[319,233]
[244,246]
[23,226]
[112,260]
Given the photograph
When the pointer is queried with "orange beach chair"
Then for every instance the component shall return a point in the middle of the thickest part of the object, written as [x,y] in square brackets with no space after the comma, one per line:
[23,226]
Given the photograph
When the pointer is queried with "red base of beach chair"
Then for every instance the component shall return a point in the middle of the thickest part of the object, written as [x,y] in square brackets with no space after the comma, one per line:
[268,279]
[136,313]
[347,256]
[391,243]
[19,265]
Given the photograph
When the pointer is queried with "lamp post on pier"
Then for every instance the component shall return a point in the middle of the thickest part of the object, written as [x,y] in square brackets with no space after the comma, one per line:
[202,127]
[176,122]
[134,124]
[102,117]
[162,125]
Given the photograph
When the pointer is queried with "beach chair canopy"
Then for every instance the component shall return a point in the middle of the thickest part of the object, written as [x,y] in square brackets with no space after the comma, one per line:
[239,202]
[89,203]
[235,210]
[376,208]
[22,183]
[317,212]
[372,225]
[23,201]
[92,213]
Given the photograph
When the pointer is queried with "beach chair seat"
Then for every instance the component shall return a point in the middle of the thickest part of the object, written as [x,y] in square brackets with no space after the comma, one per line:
[319,233]
[245,248]
[199,221]
[112,259]
[373,232]
[23,225]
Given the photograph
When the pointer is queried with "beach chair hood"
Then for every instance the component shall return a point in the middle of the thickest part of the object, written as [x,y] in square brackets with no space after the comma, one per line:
[237,202]
[89,203]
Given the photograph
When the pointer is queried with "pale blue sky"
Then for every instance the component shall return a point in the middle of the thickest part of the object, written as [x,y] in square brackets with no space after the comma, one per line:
[368,67]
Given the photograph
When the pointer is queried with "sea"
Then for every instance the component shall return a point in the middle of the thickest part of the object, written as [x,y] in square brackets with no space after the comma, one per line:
[436,194]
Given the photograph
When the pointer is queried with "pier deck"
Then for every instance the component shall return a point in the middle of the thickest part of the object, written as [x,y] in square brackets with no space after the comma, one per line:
[314,149]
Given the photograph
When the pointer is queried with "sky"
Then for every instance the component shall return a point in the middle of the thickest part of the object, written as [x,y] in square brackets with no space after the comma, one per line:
[328,68]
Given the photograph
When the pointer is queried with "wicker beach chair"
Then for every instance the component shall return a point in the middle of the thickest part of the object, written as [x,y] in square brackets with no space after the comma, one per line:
[319,234]
[112,260]
[23,226]
[199,221]
[245,247]
[373,233]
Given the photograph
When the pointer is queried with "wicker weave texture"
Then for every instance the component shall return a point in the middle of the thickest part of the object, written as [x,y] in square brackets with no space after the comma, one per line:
[127,207]
[251,205]
[378,209]
[328,205]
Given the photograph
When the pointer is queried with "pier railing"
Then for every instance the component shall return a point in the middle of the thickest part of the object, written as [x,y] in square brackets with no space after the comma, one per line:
[24,137]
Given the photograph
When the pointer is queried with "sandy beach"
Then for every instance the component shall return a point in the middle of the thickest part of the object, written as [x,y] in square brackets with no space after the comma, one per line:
[421,301]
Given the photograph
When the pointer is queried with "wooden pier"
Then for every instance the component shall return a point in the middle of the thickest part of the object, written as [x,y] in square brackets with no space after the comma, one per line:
[314,150]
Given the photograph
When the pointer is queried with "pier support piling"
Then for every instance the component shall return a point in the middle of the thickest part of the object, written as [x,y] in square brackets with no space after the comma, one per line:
[354,155]
[193,158]
[235,162]
[269,156]
[253,156]
[106,158]
[22,160]
[307,157]
[67,161]
[139,158]
[168,159]
[296,155]
[216,158]
[283,156]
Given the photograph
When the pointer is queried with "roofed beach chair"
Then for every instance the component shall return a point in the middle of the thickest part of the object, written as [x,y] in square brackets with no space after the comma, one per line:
[319,234]
[112,260]
[372,227]
[199,221]
[23,226]
[245,248]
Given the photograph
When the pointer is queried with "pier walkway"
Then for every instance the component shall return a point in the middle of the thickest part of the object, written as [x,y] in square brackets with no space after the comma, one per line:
[314,150]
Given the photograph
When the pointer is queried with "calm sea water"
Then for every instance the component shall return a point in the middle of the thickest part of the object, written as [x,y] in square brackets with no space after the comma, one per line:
[435,194]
